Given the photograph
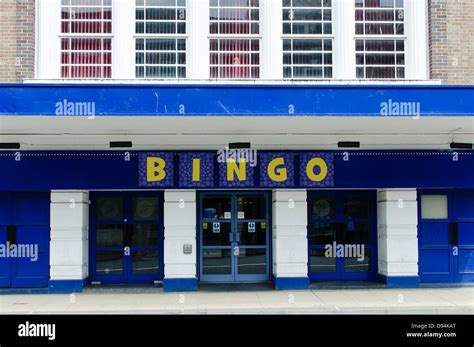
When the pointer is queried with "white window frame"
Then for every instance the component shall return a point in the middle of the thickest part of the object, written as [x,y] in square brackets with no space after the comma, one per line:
[385,37]
[48,27]
[321,37]
[174,36]
[101,36]
[248,37]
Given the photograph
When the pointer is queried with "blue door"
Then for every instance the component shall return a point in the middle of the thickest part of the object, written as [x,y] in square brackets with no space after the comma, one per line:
[126,237]
[342,236]
[234,237]
[5,223]
[24,226]
[446,236]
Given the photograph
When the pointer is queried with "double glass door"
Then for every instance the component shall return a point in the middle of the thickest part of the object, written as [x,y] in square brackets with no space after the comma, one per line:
[234,235]
[127,237]
[342,235]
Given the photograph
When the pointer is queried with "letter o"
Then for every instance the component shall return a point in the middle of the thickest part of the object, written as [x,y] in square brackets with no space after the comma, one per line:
[310,170]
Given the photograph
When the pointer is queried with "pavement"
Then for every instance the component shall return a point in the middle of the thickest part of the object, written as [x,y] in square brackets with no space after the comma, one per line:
[250,299]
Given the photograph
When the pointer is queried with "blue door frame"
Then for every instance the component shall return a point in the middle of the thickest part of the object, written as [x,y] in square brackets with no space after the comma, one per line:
[338,197]
[127,276]
[235,277]
[25,217]
[446,245]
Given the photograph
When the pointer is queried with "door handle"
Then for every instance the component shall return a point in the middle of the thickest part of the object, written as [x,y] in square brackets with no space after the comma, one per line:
[11,234]
[237,237]
[231,237]
[453,234]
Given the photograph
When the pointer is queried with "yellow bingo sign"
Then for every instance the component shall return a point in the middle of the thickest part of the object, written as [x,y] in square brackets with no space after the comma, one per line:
[304,169]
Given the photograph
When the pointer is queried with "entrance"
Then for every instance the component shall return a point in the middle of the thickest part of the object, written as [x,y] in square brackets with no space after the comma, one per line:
[127,237]
[342,236]
[446,236]
[234,237]
[24,225]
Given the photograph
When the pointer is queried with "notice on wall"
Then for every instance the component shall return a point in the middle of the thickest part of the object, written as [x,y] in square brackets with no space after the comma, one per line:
[227,215]
[204,226]
[251,227]
[216,228]
[241,215]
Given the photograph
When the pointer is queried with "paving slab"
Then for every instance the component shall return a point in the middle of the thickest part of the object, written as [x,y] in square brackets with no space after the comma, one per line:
[252,300]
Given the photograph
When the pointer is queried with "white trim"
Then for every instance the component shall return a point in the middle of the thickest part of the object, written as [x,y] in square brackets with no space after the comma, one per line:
[417,42]
[48,49]
[48,34]
[237,81]
[123,43]
[197,44]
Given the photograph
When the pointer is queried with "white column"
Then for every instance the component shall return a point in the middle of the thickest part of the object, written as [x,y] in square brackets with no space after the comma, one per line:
[416,30]
[397,216]
[69,253]
[290,241]
[180,240]
[48,50]
[344,43]
[197,28]
[271,44]
[123,42]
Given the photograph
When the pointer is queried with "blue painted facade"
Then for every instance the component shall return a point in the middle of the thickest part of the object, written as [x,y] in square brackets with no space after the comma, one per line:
[27,175]
[235,100]
[46,170]
[24,224]
[446,244]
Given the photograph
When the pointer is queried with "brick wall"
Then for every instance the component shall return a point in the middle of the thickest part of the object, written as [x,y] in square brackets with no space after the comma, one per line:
[17,40]
[7,40]
[25,45]
[452,40]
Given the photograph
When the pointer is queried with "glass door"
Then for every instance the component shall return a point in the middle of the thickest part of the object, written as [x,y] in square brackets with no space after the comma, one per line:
[234,237]
[127,237]
[251,251]
[341,236]
[217,238]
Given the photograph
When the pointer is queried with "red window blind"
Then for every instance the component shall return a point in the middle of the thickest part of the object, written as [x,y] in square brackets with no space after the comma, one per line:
[234,52]
[86,47]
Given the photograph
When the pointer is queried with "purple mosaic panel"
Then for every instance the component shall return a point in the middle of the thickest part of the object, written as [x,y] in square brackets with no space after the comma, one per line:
[168,181]
[305,157]
[224,183]
[266,158]
[186,170]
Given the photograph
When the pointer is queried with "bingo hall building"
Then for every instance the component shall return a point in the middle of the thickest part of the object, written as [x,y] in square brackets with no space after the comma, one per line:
[182,142]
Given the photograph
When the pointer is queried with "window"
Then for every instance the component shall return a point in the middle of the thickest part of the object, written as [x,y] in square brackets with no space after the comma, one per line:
[161,45]
[307,42]
[86,42]
[434,207]
[238,56]
[380,41]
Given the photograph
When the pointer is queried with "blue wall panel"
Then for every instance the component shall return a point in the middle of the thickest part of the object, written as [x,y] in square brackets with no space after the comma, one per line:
[110,170]
[235,100]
